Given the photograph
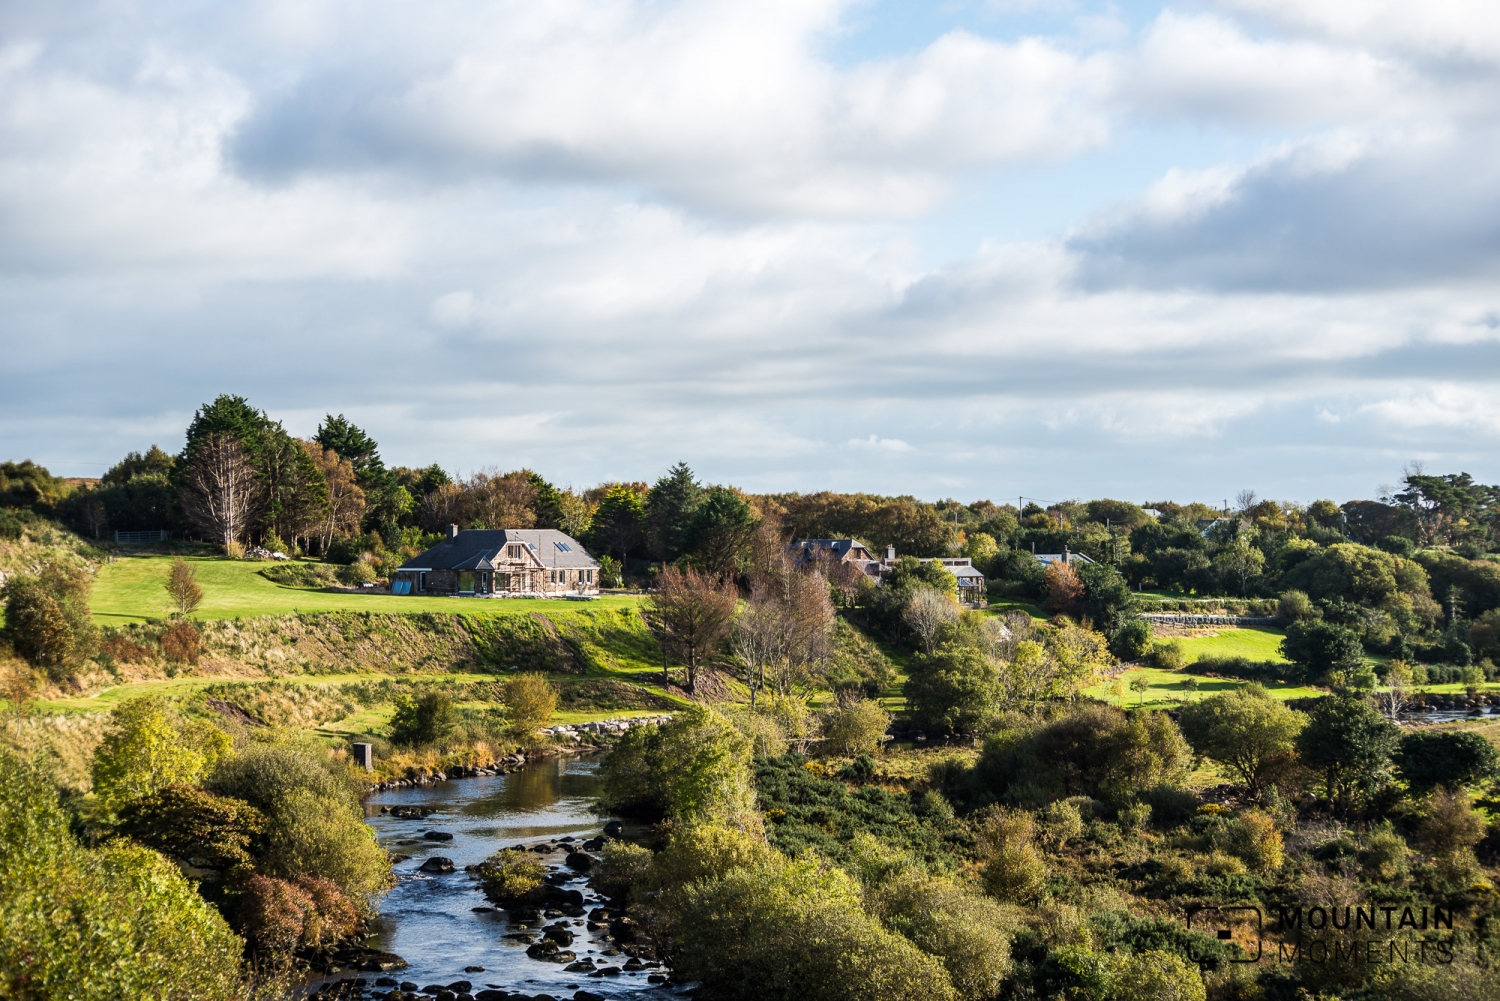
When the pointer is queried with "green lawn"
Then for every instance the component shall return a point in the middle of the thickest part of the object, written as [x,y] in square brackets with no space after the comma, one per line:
[131,590]
[1252,644]
[1168,689]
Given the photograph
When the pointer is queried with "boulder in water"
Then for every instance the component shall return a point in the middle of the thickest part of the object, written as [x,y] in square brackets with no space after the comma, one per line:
[437,864]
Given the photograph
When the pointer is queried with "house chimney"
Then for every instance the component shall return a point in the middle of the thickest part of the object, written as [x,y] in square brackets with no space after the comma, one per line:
[1066,558]
[890,554]
[452,531]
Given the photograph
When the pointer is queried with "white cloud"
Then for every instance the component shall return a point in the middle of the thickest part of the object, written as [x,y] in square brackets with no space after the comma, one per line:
[1433,28]
[878,444]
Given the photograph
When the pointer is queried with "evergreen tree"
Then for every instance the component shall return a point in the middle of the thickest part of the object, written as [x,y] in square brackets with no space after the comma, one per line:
[669,512]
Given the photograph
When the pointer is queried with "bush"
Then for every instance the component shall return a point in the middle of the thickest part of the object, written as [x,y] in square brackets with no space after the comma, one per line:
[1323,651]
[423,721]
[1155,976]
[1132,641]
[1062,822]
[1014,870]
[1384,855]
[621,866]
[118,922]
[955,688]
[1252,734]
[280,916]
[1169,655]
[795,929]
[530,700]
[1450,825]
[1171,805]
[311,836]
[1254,840]
[181,643]
[1296,606]
[1452,758]
[301,574]
[356,573]
[47,618]
[511,875]
[1096,751]
[150,746]
[188,823]
[808,811]
[856,728]
[969,934]
[695,769]
[1350,744]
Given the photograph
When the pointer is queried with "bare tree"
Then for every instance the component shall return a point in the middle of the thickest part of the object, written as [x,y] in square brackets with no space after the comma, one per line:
[182,585]
[220,494]
[927,611]
[692,613]
[759,640]
[346,501]
[1245,500]
[94,516]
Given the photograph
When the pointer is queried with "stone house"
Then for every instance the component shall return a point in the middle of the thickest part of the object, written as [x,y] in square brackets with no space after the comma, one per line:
[510,562]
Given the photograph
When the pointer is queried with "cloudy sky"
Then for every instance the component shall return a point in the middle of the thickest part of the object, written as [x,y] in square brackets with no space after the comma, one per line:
[1050,248]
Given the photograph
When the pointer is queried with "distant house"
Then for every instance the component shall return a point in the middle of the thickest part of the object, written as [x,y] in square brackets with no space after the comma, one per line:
[510,562]
[1063,557]
[855,553]
[850,551]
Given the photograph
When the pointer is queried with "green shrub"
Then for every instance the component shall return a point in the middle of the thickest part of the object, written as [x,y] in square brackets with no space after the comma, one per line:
[47,618]
[511,875]
[1061,822]
[1450,825]
[795,929]
[188,823]
[968,933]
[695,769]
[1253,839]
[1014,870]
[301,574]
[356,573]
[621,866]
[1096,751]
[856,728]
[150,746]
[422,721]
[955,688]
[530,701]
[1169,655]
[1155,976]
[1452,758]
[1253,735]
[117,922]
[311,836]
[1384,855]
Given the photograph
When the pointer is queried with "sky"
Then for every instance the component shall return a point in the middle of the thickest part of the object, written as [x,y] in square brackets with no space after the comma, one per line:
[980,249]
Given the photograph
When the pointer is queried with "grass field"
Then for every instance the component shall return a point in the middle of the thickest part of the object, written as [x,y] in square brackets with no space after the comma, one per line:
[1252,644]
[130,589]
[1169,688]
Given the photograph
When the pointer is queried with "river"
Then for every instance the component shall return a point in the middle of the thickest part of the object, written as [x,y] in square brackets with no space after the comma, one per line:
[431,921]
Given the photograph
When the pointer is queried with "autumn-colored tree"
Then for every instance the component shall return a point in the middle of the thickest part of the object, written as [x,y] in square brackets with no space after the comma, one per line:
[182,585]
[691,612]
[346,501]
[1064,589]
[495,500]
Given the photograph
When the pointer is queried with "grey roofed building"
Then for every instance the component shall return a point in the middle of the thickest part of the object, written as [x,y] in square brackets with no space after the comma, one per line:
[1062,557]
[531,562]
[850,551]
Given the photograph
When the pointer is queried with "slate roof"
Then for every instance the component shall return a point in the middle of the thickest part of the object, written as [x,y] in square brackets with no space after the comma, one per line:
[1057,558]
[484,549]
[840,547]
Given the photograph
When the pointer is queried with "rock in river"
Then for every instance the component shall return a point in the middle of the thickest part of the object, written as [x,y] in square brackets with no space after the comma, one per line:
[437,864]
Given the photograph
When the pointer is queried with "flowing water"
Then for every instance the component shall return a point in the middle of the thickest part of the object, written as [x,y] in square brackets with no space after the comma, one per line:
[431,921]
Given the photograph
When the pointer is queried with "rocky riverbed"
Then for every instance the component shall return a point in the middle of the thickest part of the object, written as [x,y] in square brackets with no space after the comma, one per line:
[457,945]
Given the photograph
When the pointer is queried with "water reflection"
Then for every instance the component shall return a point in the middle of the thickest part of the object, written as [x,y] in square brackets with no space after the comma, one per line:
[431,921]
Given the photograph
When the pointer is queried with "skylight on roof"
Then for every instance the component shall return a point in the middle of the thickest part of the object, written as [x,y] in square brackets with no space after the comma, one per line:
[564,547]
